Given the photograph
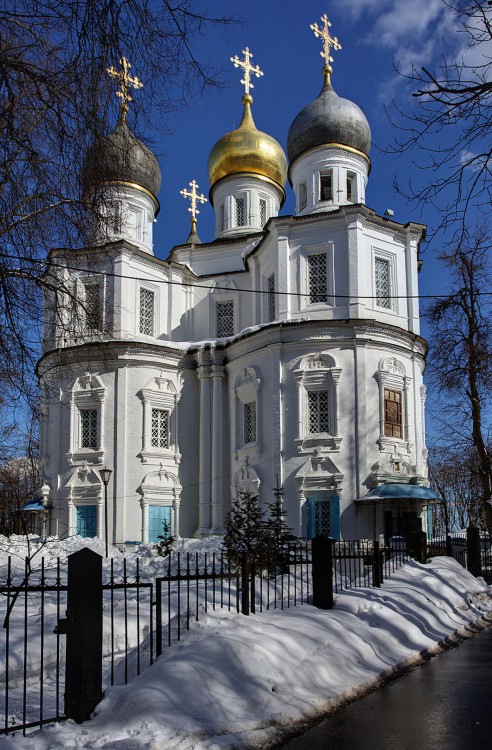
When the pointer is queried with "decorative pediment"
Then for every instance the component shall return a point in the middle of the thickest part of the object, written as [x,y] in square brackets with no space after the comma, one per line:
[319,472]
[391,469]
[161,484]
[392,366]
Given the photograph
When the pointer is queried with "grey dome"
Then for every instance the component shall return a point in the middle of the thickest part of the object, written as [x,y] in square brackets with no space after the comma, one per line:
[121,157]
[329,119]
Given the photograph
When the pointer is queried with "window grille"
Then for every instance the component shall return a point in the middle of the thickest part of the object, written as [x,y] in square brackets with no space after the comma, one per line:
[392,414]
[351,187]
[302,196]
[88,428]
[272,302]
[146,324]
[92,304]
[224,312]
[250,422]
[263,212]
[240,212]
[317,278]
[160,429]
[382,278]
[318,412]
[326,186]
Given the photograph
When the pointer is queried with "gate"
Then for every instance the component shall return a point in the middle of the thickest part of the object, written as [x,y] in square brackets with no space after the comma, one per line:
[32,655]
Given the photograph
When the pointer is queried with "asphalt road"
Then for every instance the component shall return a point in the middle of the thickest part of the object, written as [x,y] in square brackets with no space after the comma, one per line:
[443,704]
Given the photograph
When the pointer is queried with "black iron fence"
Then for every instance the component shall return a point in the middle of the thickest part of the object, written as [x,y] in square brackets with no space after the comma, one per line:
[71,630]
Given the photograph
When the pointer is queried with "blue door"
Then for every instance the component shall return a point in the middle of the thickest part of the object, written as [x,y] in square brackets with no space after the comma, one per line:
[158,515]
[87,520]
[323,515]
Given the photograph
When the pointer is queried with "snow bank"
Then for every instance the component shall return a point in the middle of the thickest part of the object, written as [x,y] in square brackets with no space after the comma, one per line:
[238,681]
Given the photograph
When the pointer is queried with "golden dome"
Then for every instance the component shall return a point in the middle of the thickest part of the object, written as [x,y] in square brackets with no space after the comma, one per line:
[248,150]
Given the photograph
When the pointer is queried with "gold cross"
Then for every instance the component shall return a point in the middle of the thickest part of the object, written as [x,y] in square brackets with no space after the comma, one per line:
[248,69]
[328,40]
[194,197]
[125,80]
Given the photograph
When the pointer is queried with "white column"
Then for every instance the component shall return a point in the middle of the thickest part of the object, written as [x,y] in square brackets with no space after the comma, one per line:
[217,448]
[204,474]
[145,522]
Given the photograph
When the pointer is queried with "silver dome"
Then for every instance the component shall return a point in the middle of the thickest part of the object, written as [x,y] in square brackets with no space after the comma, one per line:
[121,157]
[329,119]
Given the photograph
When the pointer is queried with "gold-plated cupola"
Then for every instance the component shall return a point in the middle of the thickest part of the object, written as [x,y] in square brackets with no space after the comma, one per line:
[247,150]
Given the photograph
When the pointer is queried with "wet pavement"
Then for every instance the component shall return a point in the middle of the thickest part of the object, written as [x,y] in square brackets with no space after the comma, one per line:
[443,704]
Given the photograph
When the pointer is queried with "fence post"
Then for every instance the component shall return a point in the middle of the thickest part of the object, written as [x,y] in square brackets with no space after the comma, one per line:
[245,573]
[417,545]
[83,681]
[322,551]
[376,566]
[473,551]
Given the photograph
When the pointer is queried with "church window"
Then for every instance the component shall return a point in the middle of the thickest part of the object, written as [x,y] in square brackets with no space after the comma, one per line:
[160,428]
[302,197]
[392,413]
[318,380]
[239,212]
[88,428]
[326,186]
[272,311]
[249,419]
[351,187]
[317,282]
[92,306]
[318,412]
[263,212]
[382,282]
[223,217]
[146,321]
[224,319]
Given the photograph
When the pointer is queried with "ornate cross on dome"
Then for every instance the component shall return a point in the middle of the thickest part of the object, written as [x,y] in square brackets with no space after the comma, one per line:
[125,80]
[328,40]
[193,197]
[248,69]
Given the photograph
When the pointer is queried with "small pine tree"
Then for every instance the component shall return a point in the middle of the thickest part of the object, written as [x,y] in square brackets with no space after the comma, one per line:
[165,546]
[278,534]
[245,528]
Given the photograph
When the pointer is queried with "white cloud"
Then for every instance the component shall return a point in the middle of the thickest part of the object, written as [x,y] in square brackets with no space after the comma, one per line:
[416,33]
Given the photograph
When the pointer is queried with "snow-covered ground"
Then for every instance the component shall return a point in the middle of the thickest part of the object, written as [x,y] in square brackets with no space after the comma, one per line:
[236,681]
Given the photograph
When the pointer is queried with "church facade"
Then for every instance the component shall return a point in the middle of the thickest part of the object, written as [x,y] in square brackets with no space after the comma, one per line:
[287,350]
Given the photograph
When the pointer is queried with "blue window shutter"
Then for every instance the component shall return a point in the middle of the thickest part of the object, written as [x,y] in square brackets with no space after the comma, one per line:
[310,518]
[335,516]
[158,514]
[87,520]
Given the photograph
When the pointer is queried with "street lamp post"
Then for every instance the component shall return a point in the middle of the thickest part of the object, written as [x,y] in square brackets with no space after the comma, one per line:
[106,476]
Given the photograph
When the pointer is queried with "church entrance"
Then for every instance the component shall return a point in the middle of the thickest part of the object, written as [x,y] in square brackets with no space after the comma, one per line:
[323,515]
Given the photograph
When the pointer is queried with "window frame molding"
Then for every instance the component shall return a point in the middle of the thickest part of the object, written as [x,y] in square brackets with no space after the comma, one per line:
[390,258]
[149,287]
[160,393]
[391,375]
[87,393]
[327,249]
[247,390]
[318,372]
[229,294]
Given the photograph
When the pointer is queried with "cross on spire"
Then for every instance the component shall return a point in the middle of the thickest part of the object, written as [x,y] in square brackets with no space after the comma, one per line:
[194,197]
[248,69]
[328,40]
[125,80]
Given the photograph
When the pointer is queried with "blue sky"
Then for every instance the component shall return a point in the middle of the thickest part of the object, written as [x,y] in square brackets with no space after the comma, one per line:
[376,35]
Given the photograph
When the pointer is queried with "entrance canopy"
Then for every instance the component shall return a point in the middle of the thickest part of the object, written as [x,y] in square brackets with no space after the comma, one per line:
[395,491]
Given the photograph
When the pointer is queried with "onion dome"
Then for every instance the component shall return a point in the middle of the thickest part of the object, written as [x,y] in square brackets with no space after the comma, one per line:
[329,120]
[247,150]
[121,157]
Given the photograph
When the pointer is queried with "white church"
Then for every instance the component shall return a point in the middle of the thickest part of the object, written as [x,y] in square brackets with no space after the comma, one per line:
[287,349]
